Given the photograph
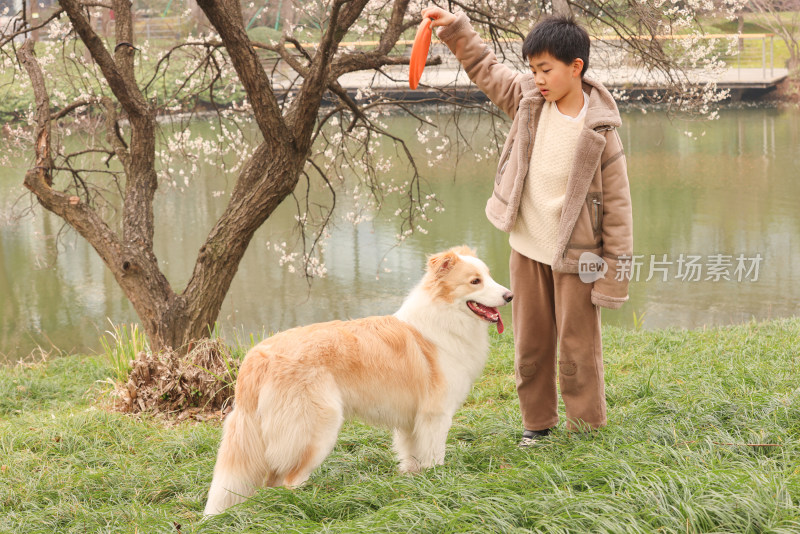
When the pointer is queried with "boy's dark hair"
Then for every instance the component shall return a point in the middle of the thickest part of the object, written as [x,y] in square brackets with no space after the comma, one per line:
[561,37]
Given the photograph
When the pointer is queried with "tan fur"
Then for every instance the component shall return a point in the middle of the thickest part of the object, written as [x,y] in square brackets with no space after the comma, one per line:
[449,273]
[295,476]
[285,359]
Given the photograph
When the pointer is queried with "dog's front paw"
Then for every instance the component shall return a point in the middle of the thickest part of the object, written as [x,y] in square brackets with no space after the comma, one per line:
[409,466]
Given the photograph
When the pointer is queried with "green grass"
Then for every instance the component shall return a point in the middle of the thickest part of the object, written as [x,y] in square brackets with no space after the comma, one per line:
[760,23]
[685,408]
[120,345]
[754,23]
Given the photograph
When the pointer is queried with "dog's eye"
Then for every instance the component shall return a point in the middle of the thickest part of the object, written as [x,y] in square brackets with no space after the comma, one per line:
[475,281]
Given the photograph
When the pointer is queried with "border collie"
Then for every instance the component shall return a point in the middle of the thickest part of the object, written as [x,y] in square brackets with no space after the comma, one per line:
[409,371]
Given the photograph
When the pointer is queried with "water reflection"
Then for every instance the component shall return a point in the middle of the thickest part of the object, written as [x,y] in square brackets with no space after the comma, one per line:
[728,188]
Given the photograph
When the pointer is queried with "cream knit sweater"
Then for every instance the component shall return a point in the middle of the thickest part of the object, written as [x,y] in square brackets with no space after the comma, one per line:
[536,228]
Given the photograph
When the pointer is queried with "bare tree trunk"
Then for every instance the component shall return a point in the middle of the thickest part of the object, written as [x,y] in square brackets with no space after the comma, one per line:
[793,64]
[785,23]
[562,8]
[289,13]
[33,17]
[739,30]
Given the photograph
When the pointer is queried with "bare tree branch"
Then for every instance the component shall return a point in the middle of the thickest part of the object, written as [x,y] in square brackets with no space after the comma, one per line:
[113,136]
[257,84]
[129,96]
[124,49]
[142,181]
[39,179]
[302,115]
[7,38]
[395,28]
[42,171]
[70,108]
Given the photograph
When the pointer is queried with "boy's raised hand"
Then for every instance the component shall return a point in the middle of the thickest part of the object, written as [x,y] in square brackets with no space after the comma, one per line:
[438,16]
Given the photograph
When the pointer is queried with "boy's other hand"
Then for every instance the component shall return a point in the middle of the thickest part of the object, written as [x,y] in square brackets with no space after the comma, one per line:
[438,16]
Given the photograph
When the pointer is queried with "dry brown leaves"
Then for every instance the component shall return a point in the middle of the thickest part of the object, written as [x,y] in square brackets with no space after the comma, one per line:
[198,385]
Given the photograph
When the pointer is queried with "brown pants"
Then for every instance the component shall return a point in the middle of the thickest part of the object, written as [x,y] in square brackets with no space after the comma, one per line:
[550,310]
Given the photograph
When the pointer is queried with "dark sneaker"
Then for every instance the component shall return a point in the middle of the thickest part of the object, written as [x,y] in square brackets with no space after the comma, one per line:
[531,437]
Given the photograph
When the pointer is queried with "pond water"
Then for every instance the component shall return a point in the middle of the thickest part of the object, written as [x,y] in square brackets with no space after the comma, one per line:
[716,225]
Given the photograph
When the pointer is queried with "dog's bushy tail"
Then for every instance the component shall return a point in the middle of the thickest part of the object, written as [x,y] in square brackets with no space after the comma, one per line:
[240,468]
[282,428]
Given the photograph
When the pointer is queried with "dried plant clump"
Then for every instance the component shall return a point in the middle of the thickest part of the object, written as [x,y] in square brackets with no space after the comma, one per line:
[197,385]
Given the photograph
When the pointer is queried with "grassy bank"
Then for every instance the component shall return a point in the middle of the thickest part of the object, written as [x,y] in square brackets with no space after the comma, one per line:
[703,436]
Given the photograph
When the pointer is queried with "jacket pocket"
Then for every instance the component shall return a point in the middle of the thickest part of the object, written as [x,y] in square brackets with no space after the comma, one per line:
[501,167]
[595,202]
[571,256]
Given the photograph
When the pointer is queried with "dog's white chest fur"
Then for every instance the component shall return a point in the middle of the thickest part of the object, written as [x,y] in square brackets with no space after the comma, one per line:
[462,348]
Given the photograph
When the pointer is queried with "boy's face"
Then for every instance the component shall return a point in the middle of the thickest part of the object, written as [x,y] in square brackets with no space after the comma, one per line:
[554,78]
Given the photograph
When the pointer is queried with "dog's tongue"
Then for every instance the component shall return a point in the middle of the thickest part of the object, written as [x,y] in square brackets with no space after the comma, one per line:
[487,313]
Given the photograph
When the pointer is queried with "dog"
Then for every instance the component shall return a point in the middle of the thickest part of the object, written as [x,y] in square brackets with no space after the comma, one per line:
[409,371]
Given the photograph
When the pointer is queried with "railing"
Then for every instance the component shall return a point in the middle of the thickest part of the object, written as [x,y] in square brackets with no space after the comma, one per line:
[159,28]
[155,28]
[763,37]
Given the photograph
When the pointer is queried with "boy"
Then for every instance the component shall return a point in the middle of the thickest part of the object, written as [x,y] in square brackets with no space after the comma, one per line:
[561,192]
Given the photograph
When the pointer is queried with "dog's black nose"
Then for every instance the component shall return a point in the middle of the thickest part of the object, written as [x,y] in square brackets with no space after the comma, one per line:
[507,296]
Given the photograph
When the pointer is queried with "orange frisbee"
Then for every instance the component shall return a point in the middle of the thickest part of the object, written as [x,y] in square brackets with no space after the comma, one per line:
[419,52]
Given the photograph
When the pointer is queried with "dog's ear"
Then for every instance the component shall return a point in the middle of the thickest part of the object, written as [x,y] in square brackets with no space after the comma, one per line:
[440,264]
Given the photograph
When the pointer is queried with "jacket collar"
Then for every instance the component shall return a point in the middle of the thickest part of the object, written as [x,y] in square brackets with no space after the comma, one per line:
[602,107]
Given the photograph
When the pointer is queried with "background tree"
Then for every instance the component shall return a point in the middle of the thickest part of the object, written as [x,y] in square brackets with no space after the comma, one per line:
[781,17]
[309,135]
